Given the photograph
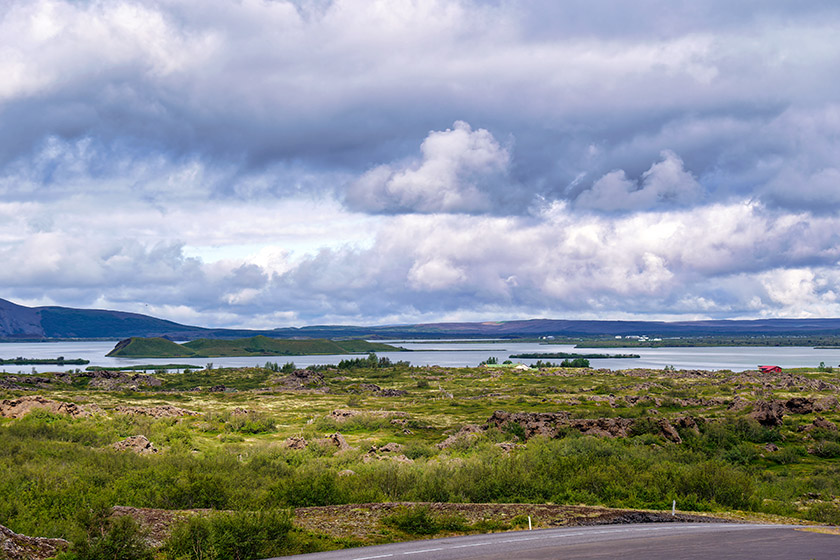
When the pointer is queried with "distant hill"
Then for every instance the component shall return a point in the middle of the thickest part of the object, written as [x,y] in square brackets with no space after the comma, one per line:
[65,323]
[62,323]
[253,346]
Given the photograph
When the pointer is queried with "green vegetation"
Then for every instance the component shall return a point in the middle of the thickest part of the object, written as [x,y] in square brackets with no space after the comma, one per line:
[567,363]
[60,361]
[555,355]
[254,346]
[421,521]
[372,362]
[235,535]
[251,443]
[101,537]
[136,347]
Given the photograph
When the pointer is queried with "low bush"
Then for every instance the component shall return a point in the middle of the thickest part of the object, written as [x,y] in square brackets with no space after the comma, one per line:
[827,450]
[101,537]
[231,536]
[416,520]
[250,423]
[824,512]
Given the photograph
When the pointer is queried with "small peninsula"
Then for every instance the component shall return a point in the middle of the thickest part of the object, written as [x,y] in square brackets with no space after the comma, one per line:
[137,347]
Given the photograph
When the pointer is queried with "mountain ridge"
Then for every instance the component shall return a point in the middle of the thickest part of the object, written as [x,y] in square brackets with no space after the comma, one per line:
[18,322]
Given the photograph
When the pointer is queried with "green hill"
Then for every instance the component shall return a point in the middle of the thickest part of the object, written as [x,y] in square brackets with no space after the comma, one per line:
[136,347]
[254,346]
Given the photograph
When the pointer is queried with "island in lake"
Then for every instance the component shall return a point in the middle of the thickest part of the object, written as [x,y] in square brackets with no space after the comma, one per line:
[137,347]
[60,361]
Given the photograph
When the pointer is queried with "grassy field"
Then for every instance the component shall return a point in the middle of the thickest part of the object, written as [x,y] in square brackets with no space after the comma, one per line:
[258,439]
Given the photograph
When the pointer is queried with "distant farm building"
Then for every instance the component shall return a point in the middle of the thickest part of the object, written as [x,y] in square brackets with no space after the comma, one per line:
[770,369]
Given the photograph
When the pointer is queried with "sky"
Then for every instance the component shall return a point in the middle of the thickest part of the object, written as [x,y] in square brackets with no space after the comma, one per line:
[271,163]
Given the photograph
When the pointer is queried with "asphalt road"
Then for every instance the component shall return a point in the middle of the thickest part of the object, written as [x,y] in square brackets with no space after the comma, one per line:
[649,541]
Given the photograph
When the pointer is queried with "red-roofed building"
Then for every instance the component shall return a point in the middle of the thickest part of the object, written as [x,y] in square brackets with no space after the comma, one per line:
[770,369]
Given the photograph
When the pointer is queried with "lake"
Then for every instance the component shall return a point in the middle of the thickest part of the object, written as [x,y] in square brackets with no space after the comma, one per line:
[451,354]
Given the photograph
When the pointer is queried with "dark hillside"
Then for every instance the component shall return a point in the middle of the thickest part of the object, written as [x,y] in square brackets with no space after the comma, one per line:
[39,323]
[64,322]
[17,321]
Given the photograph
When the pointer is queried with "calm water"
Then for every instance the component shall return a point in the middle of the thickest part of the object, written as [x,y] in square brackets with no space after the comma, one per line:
[462,353]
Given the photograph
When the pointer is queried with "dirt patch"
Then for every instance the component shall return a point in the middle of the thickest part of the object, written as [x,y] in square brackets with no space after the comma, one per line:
[20,547]
[17,408]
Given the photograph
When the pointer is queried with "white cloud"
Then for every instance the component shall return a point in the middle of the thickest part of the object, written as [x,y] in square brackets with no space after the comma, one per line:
[721,260]
[457,172]
[435,274]
[666,183]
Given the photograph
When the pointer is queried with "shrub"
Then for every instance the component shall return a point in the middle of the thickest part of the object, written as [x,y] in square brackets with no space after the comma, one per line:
[824,512]
[101,537]
[231,536]
[741,454]
[250,423]
[519,521]
[718,483]
[309,486]
[415,520]
[827,450]
[515,429]
[787,455]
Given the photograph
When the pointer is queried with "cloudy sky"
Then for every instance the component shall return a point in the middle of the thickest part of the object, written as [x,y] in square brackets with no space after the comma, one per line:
[264,163]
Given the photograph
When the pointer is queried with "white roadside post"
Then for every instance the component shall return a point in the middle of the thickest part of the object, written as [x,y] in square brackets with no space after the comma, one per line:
[529,522]
[674,508]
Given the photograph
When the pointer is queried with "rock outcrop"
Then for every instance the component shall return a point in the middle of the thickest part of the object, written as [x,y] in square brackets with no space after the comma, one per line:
[295,442]
[771,413]
[547,424]
[768,413]
[301,379]
[15,408]
[554,424]
[136,444]
[20,547]
[338,440]
[467,432]
[100,379]
[163,411]
[118,380]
